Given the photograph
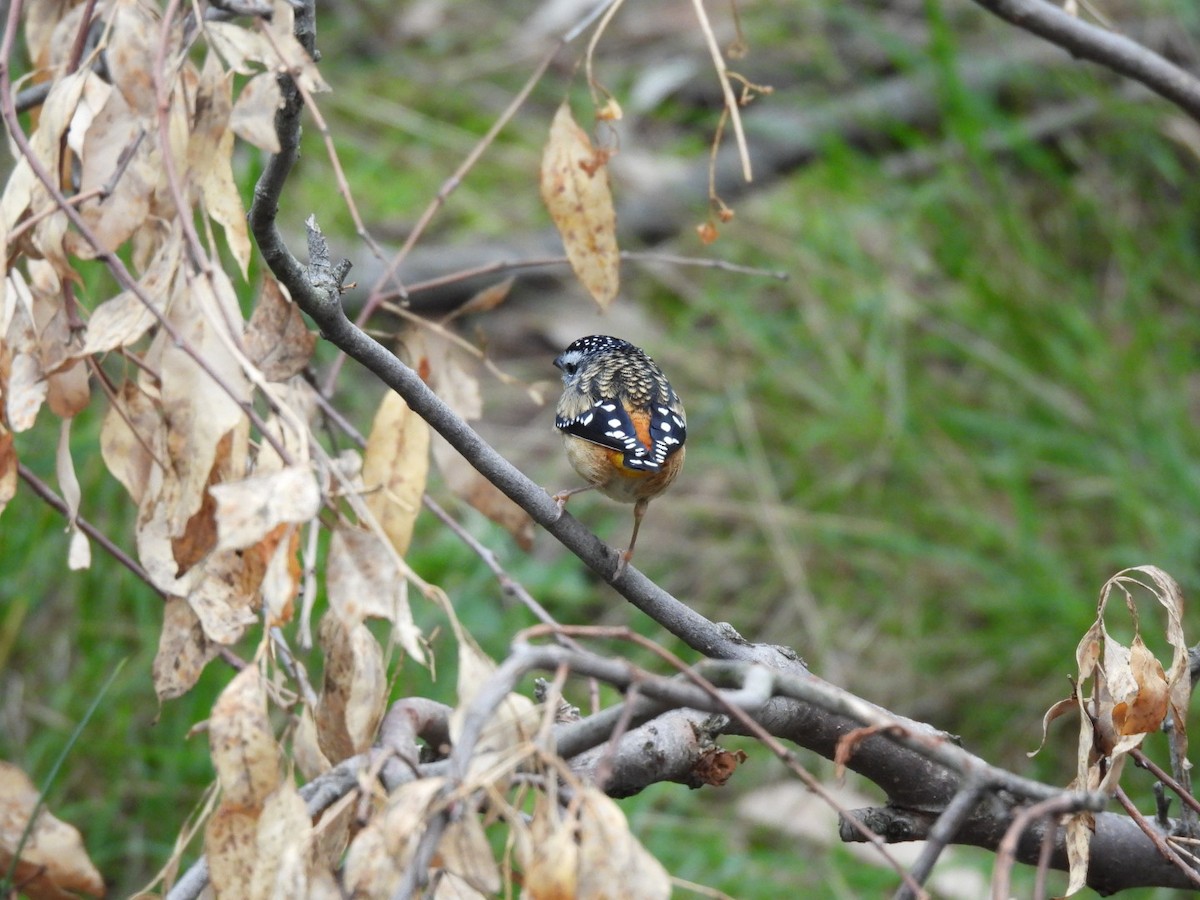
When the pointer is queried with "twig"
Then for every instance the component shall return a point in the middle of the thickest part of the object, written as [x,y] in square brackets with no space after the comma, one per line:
[1185,796]
[1006,852]
[943,832]
[731,101]
[1114,51]
[52,499]
[1159,842]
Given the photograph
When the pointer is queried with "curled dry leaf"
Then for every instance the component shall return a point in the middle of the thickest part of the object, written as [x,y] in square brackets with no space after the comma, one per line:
[574,186]
[354,692]
[1131,696]
[53,862]
[395,468]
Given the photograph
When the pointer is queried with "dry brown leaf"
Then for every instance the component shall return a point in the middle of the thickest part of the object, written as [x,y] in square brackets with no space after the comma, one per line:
[549,855]
[67,390]
[199,535]
[125,318]
[80,554]
[363,581]
[53,861]
[243,746]
[117,140]
[8,467]
[354,692]
[223,593]
[380,852]
[26,392]
[1130,696]
[183,650]
[230,847]
[131,436]
[306,752]
[612,862]
[278,341]
[1145,708]
[129,54]
[249,509]
[483,301]
[281,578]
[210,159]
[253,115]
[200,412]
[1079,829]
[283,845]
[395,469]
[574,185]
[509,727]
[466,856]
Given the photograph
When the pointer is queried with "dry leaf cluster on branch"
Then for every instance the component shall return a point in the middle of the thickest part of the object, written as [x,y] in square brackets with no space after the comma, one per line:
[214,431]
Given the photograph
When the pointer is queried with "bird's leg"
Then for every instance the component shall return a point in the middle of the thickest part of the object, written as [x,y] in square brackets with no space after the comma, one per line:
[639,510]
[562,497]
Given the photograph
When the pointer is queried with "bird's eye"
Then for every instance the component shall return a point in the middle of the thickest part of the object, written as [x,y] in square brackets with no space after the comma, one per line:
[570,367]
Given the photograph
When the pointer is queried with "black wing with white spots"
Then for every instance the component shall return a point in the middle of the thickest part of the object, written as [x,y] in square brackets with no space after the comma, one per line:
[608,383]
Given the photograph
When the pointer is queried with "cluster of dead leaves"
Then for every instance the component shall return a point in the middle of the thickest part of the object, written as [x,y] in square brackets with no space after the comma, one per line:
[1122,694]
[212,430]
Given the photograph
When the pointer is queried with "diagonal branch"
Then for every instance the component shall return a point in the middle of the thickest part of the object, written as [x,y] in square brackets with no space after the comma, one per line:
[1109,49]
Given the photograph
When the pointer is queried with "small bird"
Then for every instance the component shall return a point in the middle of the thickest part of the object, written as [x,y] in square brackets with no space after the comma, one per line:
[622,424]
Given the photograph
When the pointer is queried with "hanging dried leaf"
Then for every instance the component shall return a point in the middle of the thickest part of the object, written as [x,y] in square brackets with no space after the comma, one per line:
[253,115]
[53,862]
[589,853]
[283,843]
[26,392]
[379,853]
[210,159]
[243,746]
[395,468]
[200,412]
[574,185]
[248,509]
[125,318]
[363,581]
[278,341]
[354,692]
[80,554]
[131,437]
[281,579]
[183,650]
[8,467]
[1130,697]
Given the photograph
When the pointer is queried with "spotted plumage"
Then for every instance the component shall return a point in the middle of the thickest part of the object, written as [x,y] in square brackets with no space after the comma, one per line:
[622,423]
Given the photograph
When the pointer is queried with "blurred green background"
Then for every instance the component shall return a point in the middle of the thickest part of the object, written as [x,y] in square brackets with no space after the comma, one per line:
[916,461]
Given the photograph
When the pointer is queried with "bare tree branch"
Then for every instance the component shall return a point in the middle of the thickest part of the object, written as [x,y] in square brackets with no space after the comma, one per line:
[1109,49]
